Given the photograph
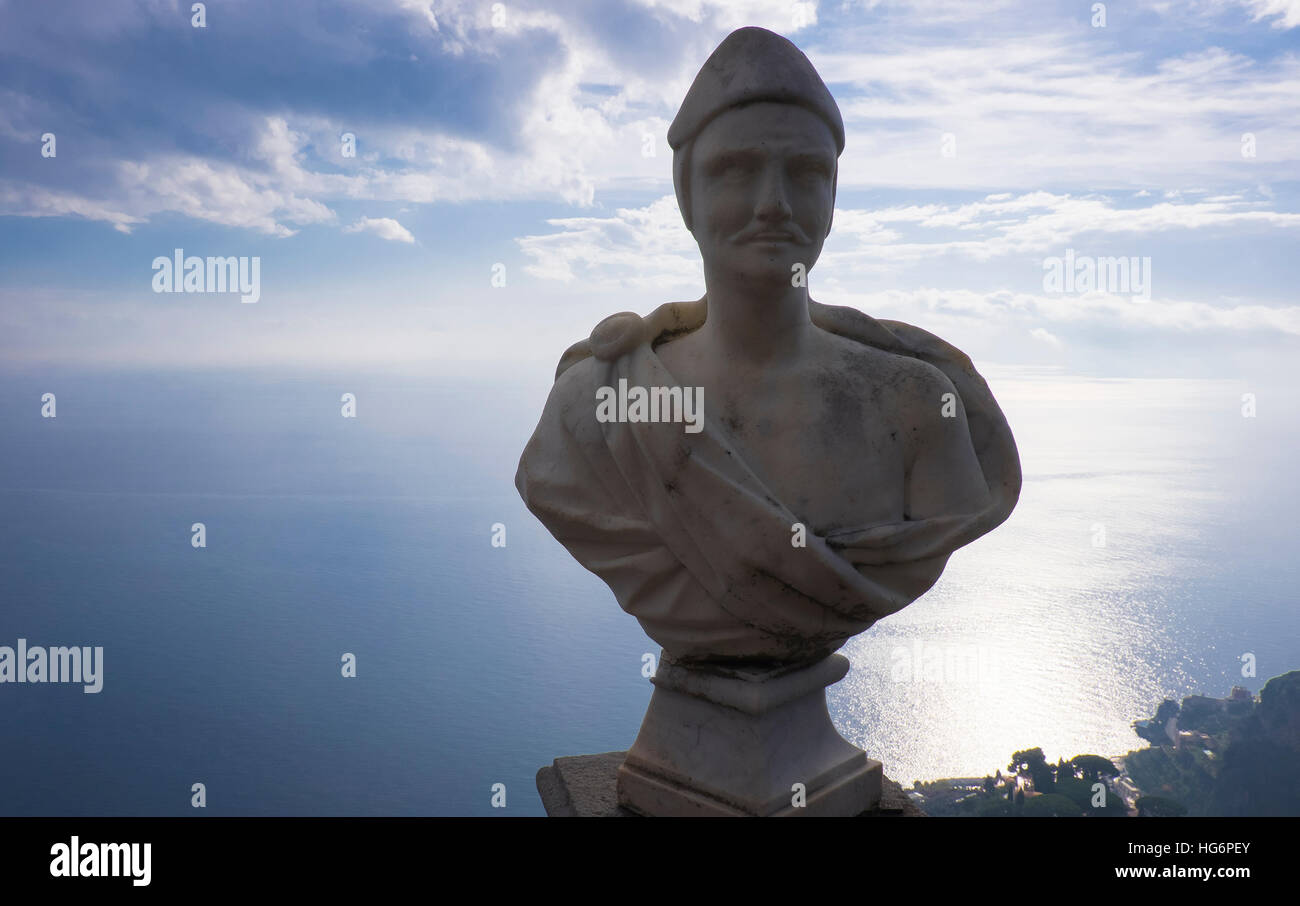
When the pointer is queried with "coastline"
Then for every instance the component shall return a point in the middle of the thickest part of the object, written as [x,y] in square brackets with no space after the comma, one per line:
[1204,757]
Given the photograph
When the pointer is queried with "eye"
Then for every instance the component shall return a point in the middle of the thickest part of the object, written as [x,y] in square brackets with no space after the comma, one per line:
[732,167]
[808,170]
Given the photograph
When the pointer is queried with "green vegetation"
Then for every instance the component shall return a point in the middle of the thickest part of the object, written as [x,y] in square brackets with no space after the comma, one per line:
[1033,788]
[1032,762]
[1050,805]
[1234,756]
[1231,756]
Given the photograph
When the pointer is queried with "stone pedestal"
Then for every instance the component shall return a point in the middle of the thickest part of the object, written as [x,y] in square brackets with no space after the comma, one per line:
[718,741]
[586,786]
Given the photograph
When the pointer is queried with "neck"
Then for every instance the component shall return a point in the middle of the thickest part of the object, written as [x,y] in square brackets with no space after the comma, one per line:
[760,324]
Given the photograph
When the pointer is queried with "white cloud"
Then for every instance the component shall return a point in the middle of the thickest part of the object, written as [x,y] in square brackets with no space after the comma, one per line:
[1046,336]
[1029,108]
[383,227]
[1026,112]
[1033,222]
[35,201]
[777,15]
[216,192]
[647,255]
[1282,13]
[220,193]
[1115,313]
[650,246]
[641,247]
[1036,111]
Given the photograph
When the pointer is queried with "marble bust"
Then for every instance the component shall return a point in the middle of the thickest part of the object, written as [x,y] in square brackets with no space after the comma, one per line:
[840,460]
[879,438]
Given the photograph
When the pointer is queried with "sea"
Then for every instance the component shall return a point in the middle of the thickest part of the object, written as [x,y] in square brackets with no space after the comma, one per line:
[1153,554]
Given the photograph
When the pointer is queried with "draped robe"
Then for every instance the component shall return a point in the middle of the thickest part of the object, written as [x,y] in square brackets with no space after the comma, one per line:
[693,544]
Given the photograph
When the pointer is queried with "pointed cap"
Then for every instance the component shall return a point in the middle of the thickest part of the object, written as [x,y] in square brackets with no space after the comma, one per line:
[753,64]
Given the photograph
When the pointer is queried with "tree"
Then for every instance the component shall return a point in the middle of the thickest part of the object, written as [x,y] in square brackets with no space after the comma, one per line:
[1051,806]
[996,807]
[1092,767]
[1075,790]
[1168,708]
[1033,762]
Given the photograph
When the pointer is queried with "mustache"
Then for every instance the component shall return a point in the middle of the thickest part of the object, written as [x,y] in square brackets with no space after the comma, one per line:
[792,230]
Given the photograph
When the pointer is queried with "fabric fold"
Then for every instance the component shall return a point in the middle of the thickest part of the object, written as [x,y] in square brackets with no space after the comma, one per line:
[651,509]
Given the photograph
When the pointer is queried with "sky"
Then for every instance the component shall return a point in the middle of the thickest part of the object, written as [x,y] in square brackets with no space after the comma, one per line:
[511,183]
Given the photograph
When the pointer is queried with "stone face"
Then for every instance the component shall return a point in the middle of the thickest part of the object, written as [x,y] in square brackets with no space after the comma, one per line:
[836,464]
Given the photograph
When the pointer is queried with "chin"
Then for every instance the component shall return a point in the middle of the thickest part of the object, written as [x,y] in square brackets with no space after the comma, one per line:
[767,268]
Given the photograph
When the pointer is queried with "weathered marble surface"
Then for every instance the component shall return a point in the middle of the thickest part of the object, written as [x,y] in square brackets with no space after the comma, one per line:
[584,786]
[838,463]
[719,740]
[877,441]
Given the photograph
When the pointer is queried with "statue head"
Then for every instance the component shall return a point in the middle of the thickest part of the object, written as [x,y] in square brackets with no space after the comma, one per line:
[755,146]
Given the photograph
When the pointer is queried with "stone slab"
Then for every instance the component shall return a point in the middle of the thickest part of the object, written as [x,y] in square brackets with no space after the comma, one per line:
[586,786]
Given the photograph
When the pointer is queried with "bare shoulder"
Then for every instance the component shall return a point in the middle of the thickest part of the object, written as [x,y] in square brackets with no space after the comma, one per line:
[908,379]
[905,393]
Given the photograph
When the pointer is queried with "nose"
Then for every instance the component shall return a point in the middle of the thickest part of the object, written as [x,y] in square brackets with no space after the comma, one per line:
[773,202]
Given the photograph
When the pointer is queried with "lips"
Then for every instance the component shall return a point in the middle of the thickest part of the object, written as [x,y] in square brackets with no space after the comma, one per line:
[772,236]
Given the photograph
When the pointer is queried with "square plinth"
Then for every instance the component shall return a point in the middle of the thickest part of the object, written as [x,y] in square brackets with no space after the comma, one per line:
[722,741]
[586,786]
